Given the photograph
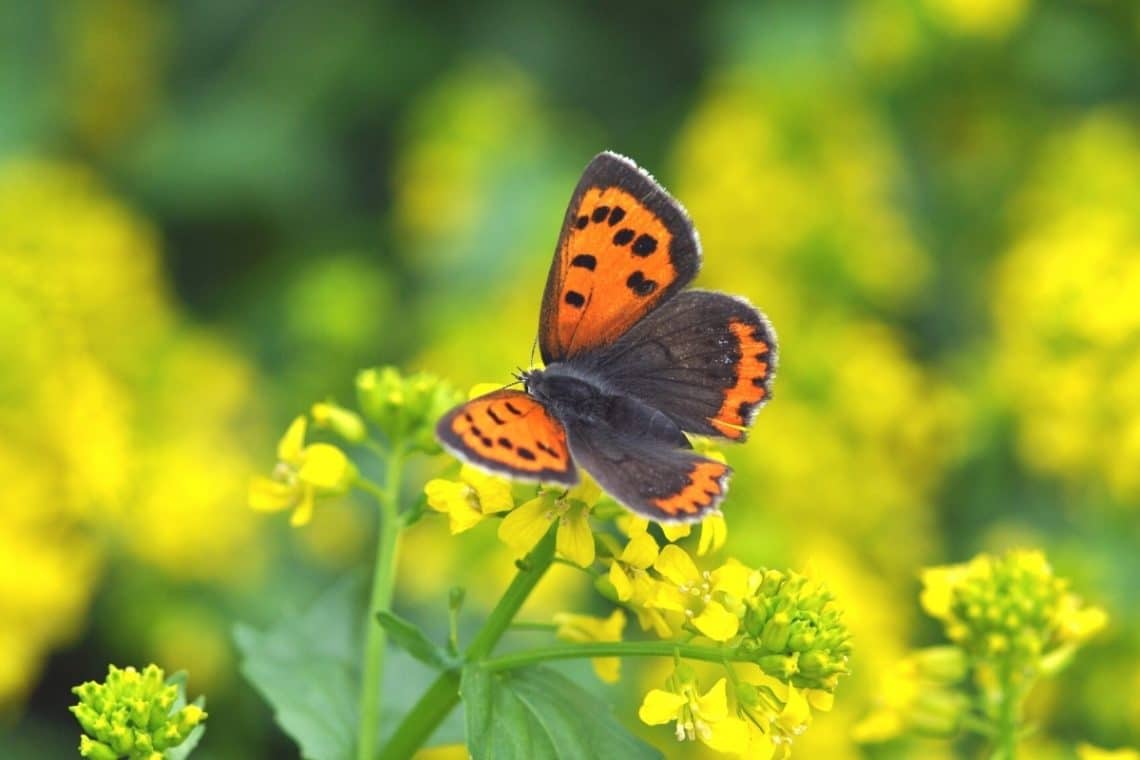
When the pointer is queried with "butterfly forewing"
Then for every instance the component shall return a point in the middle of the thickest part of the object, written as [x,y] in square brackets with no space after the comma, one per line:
[510,433]
[626,246]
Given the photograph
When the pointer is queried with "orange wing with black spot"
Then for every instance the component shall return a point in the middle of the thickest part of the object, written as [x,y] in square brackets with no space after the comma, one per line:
[511,433]
[704,359]
[626,247]
[651,478]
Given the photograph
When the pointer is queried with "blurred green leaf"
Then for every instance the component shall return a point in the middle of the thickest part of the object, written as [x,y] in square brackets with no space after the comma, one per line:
[536,713]
[305,667]
[412,640]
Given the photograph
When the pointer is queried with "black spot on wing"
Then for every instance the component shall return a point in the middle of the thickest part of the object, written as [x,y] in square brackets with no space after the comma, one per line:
[644,245]
[600,213]
[582,221]
[623,236]
[491,413]
[585,261]
[616,215]
[575,299]
[640,285]
[525,453]
[506,443]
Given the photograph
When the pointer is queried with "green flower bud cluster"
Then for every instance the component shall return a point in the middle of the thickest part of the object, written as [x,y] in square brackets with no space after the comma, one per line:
[405,408]
[132,715]
[1006,607]
[795,631]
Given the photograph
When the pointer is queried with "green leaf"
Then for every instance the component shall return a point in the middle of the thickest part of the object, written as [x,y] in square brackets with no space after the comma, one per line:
[305,666]
[414,641]
[537,713]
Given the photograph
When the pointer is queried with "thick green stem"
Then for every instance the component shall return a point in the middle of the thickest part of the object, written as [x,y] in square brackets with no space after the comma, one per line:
[383,584]
[606,649]
[442,696]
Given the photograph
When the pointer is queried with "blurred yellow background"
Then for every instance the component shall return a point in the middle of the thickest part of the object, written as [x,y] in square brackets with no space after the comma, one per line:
[212,214]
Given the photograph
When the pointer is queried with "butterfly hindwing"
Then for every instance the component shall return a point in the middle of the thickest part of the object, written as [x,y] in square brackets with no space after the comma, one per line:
[626,246]
[705,359]
[650,477]
[510,433]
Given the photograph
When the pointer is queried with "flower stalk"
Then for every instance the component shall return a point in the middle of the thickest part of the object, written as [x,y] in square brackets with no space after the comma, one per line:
[442,696]
[383,585]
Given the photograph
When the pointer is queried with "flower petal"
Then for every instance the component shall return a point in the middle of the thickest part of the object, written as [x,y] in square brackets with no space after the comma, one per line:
[675,531]
[716,622]
[575,540]
[641,551]
[290,446]
[442,494]
[326,467]
[494,493]
[522,528]
[712,706]
[660,706]
[714,532]
[621,583]
[304,511]
[268,495]
[729,735]
[732,578]
[675,564]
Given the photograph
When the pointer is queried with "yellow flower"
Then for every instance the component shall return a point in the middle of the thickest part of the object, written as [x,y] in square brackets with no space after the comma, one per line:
[691,591]
[302,474]
[588,628]
[697,716]
[523,527]
[469,500]
[634,586]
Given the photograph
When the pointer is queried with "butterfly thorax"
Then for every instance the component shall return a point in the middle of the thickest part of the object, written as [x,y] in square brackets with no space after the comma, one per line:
[574,395]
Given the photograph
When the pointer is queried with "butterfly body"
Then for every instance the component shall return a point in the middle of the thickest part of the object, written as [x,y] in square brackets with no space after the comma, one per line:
[580,400]
[633,361]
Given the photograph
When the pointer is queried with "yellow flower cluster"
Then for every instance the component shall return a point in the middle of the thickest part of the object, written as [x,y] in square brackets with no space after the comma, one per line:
[99,438]
[1011,620]
[1010,609]
[760,722]
[782,632]
[133,715]
[1067,312]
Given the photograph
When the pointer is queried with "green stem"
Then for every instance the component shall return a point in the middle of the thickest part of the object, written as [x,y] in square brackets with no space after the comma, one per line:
[442,696]
[1009,713]
[606,649]
[383,584]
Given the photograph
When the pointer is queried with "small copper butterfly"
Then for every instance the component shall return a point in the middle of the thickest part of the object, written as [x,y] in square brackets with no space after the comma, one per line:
[632,360]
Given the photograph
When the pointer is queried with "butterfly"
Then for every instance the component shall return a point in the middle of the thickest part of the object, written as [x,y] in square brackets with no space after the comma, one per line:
[632,360]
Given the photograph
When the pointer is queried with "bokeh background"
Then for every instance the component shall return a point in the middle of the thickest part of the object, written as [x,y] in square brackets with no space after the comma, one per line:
[214,213]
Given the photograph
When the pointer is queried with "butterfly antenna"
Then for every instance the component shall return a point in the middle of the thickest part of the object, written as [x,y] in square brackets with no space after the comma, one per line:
[533,346]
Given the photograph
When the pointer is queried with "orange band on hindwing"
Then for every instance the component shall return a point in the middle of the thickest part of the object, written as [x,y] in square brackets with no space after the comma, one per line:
[705,487]
[752,372]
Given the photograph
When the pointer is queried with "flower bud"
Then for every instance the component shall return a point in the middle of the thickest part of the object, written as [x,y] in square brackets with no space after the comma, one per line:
[405,408]
[344,422]
[96,750]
